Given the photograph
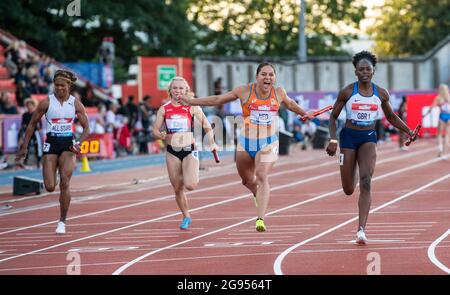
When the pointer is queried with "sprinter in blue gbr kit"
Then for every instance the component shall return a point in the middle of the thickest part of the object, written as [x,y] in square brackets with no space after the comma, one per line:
[363,101]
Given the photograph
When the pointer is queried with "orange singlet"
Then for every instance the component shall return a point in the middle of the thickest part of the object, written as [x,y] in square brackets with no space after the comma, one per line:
[260,114]
[260,121]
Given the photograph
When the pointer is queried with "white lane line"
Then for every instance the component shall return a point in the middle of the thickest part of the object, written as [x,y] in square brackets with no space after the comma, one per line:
[280,163]
[196,258]
[413,222]
[224,202]
[432,256]
[397,230]
[197,191]
[172,215]
[96,196]
[147,237]
[135,190]
[381,234]
[124,267]
[377,241]
[280,258]
[121,242]
[379,227]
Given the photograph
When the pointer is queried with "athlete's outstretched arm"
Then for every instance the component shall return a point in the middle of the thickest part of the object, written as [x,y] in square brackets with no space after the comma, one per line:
[390,115]
[434,104]
[35,118]
[83,119]
[215,100]
[291,104]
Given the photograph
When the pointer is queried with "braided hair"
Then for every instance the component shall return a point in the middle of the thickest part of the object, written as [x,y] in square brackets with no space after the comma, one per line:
[65,75]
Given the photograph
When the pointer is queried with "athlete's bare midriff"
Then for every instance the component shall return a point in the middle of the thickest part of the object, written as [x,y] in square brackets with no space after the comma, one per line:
[348,124]
[180,139]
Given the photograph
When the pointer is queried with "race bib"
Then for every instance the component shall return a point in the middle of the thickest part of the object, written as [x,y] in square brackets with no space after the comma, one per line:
[61,127]
[445,108]
[262,115]
[363,113]
[177,125]
[46,147]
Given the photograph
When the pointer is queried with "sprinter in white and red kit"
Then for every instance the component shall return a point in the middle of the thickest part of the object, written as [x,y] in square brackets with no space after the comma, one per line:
[60,110]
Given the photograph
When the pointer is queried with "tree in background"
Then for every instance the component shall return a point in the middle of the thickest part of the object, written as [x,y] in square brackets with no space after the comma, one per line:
[140,27]
[270,27]
[410,27]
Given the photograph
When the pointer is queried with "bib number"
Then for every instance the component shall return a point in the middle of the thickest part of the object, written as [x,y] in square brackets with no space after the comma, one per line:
[177,125]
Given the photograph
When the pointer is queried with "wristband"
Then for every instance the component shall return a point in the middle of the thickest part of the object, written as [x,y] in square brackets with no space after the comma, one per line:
[333,141]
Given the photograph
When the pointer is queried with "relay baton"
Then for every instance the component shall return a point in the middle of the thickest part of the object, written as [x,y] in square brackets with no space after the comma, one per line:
[216,156]
[317,113]
[416,131]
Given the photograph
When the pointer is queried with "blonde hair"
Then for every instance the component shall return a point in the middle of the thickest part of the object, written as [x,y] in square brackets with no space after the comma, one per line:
[178,78]
[443,92]
[30,101]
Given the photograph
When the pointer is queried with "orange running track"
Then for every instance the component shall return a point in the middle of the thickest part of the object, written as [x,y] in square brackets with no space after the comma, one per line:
[116,226]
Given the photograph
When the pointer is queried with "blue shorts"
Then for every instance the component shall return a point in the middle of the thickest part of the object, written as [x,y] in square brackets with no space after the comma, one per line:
[444,117]
[353,139]
[253,146]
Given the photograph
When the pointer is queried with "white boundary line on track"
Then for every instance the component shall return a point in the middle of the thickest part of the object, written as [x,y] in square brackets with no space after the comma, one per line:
[171,196]
[223,202]
[280,258]
[96,196]
[124,267]
[140,181]
[134,190]
[200,190]
[432,256]
[279,163]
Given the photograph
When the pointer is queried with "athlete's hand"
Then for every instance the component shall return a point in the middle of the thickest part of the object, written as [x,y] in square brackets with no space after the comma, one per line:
[23,151]
[162,135]
[213,147]
[76,147]
[412,135]
[331,148]
[307,116]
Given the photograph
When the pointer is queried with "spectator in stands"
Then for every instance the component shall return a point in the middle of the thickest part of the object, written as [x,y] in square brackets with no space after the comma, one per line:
[88,97]
[23,53]
[308,130]
[36,140]
[8,107]
[218,87]
[2,104]
[147,115]
[13,50]
[130,110]
[10,65]
[110,117]
[21,75]
[124,138]
[22,92]
[46,80]
[99,126]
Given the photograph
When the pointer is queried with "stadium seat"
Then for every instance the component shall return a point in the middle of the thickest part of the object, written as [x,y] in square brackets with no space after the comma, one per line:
[7,85]
[4,74]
